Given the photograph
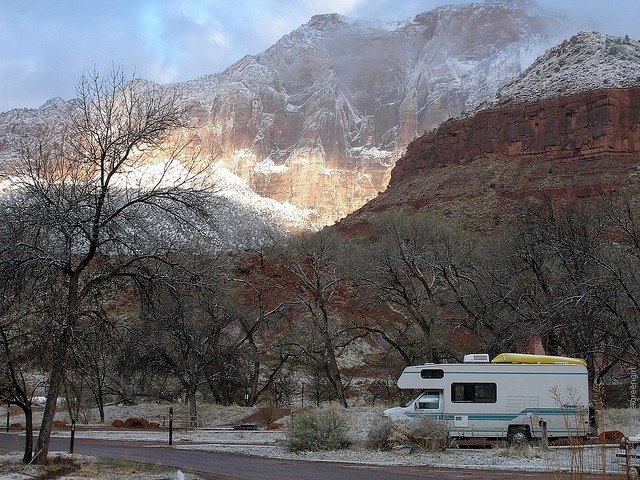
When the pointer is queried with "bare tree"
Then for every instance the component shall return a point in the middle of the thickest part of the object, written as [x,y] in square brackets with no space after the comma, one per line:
[19,361]
[92,369]
[22,323]
[619,300]
[259,308]
[413,267]
[188,331]
[91,197]
[557,279]
[318,285]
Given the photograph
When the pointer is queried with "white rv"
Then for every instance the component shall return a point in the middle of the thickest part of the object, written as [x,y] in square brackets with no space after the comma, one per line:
[513,397]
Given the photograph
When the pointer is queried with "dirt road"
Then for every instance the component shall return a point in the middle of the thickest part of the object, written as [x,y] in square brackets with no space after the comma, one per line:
[222,466]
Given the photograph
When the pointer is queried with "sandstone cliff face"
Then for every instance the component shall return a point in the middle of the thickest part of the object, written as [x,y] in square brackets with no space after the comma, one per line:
[473,171]
[584,126]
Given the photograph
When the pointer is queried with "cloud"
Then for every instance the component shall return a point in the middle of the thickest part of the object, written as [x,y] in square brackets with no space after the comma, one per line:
[46,45]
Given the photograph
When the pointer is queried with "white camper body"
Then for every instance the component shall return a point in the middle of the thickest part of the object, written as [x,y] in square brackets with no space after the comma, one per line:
[512,400]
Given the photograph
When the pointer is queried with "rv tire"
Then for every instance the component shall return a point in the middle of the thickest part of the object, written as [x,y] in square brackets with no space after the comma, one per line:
[518,435]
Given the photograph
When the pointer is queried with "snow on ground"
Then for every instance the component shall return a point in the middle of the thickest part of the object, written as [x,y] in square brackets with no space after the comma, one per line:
[270,444]
[218,435]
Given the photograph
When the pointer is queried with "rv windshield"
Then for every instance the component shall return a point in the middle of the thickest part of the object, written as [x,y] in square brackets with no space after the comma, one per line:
[428,401]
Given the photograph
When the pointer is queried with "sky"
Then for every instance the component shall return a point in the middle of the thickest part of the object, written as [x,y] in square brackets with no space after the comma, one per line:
[46,45]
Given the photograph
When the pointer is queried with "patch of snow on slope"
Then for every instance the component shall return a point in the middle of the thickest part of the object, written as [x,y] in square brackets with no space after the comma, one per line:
[154,175]
[383,156]
[268,166]
[587,61]
[494,72]
[237,190]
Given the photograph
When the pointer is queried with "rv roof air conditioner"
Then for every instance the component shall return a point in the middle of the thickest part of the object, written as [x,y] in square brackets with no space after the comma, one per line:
[476,358]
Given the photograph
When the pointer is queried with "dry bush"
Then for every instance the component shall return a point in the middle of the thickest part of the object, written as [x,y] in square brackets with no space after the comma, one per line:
[378,435]
[85,467]
[317,429]
[519,451]
[404,437]
[429,433]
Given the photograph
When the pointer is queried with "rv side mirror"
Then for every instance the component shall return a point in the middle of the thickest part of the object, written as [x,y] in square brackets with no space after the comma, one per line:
[415,405]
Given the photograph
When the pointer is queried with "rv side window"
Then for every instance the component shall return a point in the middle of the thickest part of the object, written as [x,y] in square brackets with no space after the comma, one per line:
[473,392]
[432,373]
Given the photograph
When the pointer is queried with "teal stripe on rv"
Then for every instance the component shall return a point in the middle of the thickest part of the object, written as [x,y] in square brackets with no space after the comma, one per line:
[418,372]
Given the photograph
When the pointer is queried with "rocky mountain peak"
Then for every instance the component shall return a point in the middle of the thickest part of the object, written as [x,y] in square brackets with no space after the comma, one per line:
[586,61]
[327,21]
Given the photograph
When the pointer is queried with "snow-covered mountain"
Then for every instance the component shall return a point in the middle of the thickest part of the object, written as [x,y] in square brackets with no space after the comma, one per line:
[316,122]
[320,118]
[586,61]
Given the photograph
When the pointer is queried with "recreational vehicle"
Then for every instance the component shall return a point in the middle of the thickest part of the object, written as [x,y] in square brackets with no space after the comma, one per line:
[516,397]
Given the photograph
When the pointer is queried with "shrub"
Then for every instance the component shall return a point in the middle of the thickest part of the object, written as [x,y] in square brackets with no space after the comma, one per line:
[429,433]
[318,429]
[378,435]
[404,437]
[267,414]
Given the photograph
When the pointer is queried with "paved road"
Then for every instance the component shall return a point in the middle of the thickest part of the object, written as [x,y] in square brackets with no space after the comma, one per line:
[222,466]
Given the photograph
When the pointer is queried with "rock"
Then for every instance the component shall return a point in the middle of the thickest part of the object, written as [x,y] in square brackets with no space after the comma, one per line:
[319,118]
[611,436]
[135,422]
[118,424]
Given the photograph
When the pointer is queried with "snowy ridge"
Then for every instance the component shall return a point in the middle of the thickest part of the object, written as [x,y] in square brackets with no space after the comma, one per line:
[587,61]
[236,217]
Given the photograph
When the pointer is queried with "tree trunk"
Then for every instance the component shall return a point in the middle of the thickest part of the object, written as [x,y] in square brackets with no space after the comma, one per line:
[28,430]
[254,378]
[331,363]
[98,396]
[193,407]
[215,391]
[55,384]
[334,377]
[100,402]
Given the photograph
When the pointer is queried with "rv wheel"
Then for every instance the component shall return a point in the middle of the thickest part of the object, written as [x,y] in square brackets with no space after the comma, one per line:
[518,435]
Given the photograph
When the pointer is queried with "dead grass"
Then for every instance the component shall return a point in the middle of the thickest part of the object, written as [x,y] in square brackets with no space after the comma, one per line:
[626,420]
[75,467]
[209,415]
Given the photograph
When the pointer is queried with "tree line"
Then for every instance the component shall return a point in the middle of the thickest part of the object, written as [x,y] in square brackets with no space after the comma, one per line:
[100,305]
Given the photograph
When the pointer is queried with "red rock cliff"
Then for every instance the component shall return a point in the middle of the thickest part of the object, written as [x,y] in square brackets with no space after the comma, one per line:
[587,125]
[472,172]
